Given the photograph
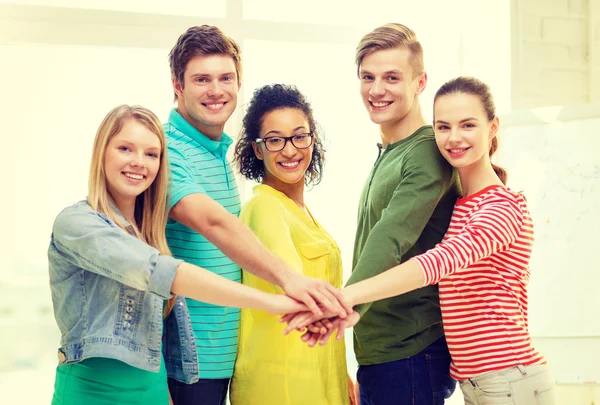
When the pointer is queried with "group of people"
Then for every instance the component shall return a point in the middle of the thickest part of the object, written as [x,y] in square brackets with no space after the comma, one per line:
[167,290]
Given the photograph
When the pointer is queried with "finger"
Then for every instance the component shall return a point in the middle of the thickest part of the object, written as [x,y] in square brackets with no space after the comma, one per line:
[287,318]
[327,324]
[313,328]
[300,321]
[339,296]
[325,302]
[312,305]
[313,340]
[335,306]
[325,337]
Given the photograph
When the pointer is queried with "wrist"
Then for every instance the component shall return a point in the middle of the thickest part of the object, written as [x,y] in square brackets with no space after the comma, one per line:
[350,296]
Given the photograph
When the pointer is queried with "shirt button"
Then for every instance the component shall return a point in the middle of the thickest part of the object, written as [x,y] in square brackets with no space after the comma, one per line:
[126,324]
[129,309]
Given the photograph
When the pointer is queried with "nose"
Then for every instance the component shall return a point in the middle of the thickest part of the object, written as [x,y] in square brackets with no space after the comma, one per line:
[214,89]
[454,137]
[138,160]
[377,88]
[289,149]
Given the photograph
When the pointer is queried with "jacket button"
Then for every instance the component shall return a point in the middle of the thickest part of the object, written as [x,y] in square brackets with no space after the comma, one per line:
[61,357]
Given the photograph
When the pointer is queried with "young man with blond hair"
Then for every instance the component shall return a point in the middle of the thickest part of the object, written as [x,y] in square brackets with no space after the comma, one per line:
[404,210]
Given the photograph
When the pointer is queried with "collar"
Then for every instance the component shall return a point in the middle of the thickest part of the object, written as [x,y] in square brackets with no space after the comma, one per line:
[217,148]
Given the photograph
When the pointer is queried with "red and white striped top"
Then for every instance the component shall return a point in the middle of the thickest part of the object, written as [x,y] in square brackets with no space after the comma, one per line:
[482,266]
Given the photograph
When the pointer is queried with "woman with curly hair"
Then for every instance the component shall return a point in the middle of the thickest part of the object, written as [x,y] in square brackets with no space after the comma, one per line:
[280,147]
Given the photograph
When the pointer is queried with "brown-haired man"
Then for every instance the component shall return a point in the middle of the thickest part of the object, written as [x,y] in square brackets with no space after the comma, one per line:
[204,228]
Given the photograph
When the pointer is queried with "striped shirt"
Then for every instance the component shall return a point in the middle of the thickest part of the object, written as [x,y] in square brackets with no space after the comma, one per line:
[482,266]
[199,165]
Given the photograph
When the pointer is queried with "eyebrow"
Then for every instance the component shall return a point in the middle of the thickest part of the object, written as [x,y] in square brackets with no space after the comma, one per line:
[276,132]
[125,141]
[194,75]
[395,72]
[460,122]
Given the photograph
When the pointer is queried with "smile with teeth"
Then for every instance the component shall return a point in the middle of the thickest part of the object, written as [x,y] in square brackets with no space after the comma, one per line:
[289,164]
[457,151]
[380,104]
[215,106]
[134,176]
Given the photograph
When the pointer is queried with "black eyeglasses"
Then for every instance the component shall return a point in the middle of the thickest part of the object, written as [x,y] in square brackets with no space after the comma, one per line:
[277,143]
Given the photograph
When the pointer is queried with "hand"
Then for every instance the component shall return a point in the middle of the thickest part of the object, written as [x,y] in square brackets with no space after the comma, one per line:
[353,391]
[300,320]
[312,335]
[282,304]
[316,294]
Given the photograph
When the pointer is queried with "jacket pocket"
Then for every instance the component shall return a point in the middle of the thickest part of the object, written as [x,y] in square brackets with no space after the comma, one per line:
[129,311]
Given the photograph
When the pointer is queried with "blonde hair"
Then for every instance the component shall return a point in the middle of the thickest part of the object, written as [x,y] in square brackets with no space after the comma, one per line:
[150,206]
[390,36]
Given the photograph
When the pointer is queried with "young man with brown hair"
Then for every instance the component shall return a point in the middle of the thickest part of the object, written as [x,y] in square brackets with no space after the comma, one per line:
[204,228]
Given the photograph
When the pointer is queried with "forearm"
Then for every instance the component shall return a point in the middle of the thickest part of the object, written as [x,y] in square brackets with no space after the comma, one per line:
[396,281]
[229,234]
[202,285]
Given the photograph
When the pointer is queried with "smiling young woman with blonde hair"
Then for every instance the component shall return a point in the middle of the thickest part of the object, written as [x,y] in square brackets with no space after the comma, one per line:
[111,273]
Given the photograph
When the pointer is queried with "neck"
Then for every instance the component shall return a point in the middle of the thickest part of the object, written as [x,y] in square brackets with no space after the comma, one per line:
[294,192]
[478,176]
[127,208]
[395,131]
[214,132]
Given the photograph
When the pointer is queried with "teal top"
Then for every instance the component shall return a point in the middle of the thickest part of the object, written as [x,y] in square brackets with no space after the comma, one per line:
[103,381]
[199,165]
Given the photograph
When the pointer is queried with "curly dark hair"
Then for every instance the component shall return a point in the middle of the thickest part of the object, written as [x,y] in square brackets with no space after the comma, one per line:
[264,100]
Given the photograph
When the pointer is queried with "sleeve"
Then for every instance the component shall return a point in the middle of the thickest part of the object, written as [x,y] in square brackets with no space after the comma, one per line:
[491,229]
[182,179]
[266,217]
[89,241]
[426,178]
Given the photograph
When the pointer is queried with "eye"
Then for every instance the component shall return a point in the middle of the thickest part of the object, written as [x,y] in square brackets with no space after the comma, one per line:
[274,141]
[393,78]
[300,137]
[201,80]
[442,127]
[153,155]
[469,125]
[366,78]
[124,148]
[228,79]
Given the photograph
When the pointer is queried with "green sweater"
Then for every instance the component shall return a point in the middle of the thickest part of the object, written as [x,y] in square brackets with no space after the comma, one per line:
[405,209]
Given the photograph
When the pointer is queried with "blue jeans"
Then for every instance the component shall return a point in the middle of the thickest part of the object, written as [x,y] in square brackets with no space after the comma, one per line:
[203,392]
[423,379]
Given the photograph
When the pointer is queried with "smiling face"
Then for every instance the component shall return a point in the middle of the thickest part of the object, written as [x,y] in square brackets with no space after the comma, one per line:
[131,162]
[209,93]
[287,166]
[463,131]
[389,86]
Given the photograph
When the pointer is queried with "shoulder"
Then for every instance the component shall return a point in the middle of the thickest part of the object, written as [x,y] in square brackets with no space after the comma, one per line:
[77,216]
[502,203]
[264,204]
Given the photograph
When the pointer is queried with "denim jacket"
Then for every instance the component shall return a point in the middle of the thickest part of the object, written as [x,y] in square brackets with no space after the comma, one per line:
[108,290]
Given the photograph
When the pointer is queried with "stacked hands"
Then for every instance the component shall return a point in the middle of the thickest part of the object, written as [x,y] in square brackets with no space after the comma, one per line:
[316,308]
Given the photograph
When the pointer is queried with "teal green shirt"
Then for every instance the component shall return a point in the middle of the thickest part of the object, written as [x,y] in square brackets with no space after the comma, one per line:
[404,210]
[199,165]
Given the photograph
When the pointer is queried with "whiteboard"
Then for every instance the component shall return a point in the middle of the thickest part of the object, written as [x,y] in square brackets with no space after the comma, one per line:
[557,164]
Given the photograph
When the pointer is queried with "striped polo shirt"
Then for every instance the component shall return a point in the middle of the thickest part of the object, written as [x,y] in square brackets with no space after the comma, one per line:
[199,165]
[482,266]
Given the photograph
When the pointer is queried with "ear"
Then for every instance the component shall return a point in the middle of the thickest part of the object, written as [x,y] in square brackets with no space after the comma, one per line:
[494,128]
[177,87]
[422,83]
[257,151]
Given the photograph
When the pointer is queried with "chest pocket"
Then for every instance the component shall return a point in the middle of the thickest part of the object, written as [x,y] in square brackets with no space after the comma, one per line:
[315,259]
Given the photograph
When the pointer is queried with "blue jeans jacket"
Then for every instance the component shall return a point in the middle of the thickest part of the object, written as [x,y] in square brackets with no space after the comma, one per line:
[108,289]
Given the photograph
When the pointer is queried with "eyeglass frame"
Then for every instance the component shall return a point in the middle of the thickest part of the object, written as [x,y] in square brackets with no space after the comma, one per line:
[286,139]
